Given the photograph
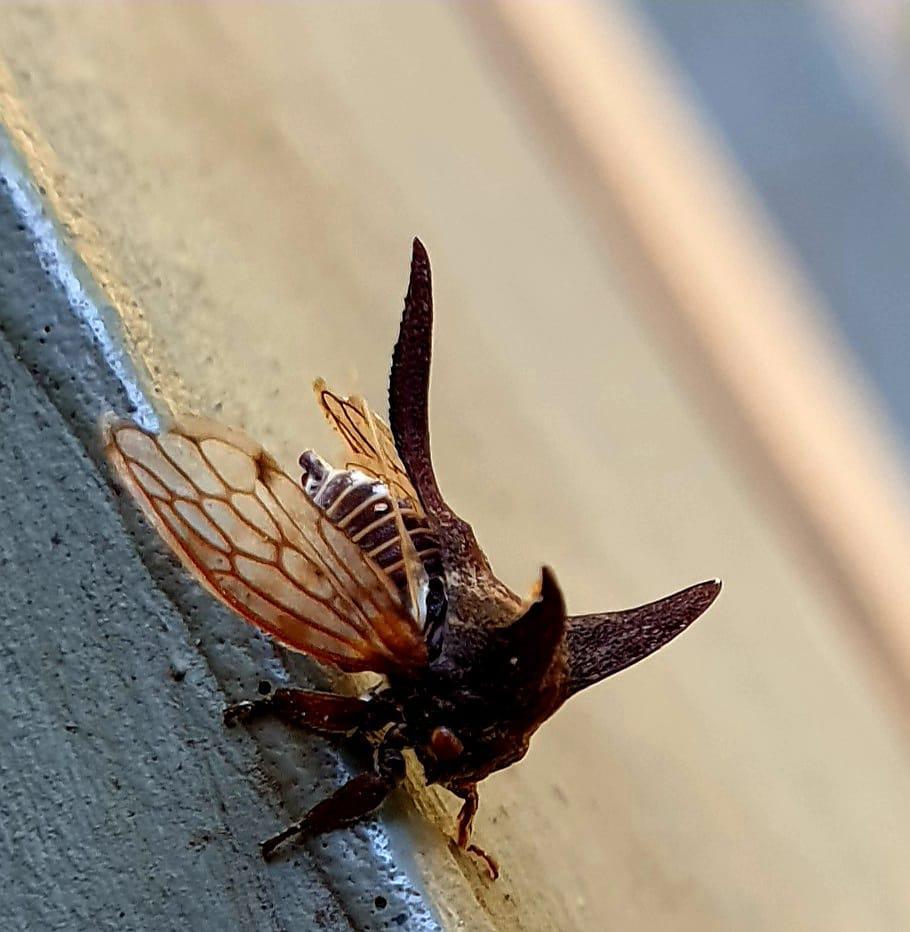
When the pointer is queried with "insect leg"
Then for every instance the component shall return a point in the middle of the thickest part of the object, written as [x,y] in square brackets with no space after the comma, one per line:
[356,799]
[468,792]
[315,711]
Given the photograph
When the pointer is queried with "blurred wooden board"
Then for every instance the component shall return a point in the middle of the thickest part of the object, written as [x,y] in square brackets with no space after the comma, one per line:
[710,273]
[252,177]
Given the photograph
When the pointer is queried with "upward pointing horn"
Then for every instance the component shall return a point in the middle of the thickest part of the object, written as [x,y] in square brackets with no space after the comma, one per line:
[534,637]
[603,644]
[469,578]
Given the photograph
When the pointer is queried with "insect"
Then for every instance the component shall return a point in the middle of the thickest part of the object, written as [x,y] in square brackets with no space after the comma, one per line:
[365,567]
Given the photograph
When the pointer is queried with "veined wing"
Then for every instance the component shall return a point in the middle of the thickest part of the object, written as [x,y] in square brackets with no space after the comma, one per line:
[369,441]
[252,538]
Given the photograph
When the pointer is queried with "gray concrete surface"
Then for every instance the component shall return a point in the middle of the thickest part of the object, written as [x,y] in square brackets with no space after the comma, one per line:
[124,803]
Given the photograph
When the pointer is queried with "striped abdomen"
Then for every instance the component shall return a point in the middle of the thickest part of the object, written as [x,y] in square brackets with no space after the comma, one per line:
[360,505]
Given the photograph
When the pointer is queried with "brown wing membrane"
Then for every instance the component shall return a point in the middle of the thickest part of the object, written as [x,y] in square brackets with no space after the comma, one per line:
[254,541]
[601,645]
[369,441]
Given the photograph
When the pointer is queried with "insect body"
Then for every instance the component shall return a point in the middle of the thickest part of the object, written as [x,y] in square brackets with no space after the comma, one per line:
[366,567]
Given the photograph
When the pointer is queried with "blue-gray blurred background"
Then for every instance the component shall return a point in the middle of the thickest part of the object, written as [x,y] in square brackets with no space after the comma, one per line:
[811,99]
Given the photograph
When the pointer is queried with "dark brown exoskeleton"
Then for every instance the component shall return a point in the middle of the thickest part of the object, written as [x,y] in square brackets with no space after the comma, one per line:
[366,567]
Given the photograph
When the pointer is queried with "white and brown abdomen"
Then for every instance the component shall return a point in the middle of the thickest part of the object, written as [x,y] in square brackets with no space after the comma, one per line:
[360,505]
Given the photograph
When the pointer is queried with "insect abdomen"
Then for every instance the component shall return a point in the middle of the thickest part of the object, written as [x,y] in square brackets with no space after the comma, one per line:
[361,506]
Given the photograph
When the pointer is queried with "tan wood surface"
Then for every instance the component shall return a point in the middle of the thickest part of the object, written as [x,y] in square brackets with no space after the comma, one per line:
[248,179]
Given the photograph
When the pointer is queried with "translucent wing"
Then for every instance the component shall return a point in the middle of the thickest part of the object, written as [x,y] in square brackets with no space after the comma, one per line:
[415,572]
[253,539]
[369,441]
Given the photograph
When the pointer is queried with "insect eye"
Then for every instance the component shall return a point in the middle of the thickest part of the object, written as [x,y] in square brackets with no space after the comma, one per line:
[445,744]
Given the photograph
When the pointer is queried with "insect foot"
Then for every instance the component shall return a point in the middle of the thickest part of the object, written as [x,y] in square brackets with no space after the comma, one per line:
[239,712]
[488,859]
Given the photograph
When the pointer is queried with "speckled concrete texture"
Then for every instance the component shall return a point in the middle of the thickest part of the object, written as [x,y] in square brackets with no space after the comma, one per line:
[124,803]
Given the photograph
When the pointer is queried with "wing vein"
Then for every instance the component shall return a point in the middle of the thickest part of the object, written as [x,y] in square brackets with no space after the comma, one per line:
[286,569]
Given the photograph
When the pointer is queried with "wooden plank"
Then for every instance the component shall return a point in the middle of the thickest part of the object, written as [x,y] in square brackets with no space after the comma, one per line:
[716,278]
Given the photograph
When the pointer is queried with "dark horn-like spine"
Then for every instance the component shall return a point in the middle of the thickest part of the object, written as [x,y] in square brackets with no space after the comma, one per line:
[603,644]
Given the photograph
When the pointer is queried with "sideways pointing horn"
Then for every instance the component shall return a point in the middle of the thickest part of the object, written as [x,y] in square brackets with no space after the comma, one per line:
[603,644]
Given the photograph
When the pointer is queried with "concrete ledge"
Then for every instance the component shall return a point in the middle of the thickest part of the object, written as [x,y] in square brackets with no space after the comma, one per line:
[124,803]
